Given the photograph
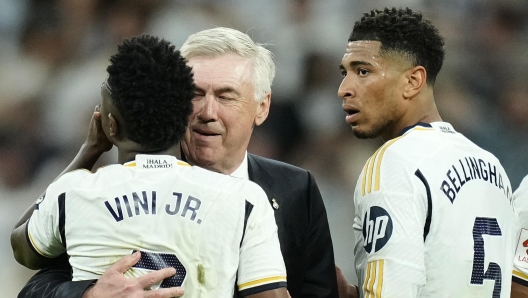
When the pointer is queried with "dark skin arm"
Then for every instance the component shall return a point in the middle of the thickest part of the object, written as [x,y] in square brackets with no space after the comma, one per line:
[95,145]
[345,289]
[518,290]
[277,293]
[56,282]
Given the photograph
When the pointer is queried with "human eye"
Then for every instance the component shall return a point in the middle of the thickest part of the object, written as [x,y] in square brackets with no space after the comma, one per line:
[226,97]
[198,96]
[362,72]
[343,73]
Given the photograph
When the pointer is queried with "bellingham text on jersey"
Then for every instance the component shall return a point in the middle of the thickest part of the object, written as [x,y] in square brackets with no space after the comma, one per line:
[147,205]
[468,169]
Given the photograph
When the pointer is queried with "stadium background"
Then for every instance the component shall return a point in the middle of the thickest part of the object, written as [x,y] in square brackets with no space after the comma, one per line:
[53,55]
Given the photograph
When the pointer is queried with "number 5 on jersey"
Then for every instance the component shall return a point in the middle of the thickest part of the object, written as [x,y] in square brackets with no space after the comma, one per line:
[485,226]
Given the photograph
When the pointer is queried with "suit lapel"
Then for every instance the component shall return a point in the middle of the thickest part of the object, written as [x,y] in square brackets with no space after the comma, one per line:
[261,176]
[259,173]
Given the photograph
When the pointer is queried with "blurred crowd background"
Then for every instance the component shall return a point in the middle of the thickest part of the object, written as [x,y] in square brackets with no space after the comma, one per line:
[53,56]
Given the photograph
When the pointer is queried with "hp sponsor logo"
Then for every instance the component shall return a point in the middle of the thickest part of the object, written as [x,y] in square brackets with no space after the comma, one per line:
[377,229]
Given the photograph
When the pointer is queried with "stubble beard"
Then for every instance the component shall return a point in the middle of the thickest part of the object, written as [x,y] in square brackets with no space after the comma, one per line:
[375,131]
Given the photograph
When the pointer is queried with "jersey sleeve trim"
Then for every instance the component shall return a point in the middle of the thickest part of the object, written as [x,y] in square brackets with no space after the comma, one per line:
[520,278]
[34,247]
[373,284]
[262,282]
[261,285]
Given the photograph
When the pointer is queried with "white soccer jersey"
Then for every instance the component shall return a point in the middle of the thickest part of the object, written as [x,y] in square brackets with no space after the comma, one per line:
[520,261]
[434,218]
[176,215]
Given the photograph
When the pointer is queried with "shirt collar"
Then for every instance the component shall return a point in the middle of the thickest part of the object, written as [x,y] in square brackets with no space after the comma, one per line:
[438,125]
[242,171]
[153,159]
[406,129]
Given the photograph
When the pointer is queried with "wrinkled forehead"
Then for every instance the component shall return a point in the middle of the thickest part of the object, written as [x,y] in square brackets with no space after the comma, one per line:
[232,70]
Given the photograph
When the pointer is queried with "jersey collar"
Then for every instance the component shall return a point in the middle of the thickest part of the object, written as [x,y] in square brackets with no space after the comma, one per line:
[419,124]
[141,158]
[439,125]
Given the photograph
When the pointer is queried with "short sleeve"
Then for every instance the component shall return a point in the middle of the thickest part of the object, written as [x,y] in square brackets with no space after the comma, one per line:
[391,210]
[261,266]
[45,229]
[520,261]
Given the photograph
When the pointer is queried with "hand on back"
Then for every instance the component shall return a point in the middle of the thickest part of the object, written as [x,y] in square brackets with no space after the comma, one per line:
[114,284]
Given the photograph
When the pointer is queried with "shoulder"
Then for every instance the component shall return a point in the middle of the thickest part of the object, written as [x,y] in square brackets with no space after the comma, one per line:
[226,183]
[278,167]
[72,178]
[523,187]
[520,196]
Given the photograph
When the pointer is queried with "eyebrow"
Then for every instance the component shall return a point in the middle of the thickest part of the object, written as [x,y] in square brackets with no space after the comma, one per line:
[357,63]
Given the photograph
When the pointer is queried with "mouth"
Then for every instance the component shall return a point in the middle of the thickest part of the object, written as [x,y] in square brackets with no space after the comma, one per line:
[205,134]
[352,114]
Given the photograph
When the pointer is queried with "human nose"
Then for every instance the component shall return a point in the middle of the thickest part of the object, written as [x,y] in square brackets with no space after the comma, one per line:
[209,109]
[346,89]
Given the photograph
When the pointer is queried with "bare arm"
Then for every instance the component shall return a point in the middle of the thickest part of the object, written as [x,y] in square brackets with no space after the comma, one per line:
[277,293]
[24,253]
[518,290]
[56,282]
[95,145]
[345,289]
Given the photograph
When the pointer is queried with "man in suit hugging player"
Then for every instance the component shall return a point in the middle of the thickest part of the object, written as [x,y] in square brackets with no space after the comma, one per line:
[233,77]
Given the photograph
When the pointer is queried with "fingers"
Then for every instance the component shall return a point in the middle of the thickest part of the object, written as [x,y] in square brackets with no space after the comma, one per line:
[97,112]
[164,293]
[154,277]
[125,262]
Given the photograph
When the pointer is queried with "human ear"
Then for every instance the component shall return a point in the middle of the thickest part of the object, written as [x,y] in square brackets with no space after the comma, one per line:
[263,109]
[415,79]
[113,128]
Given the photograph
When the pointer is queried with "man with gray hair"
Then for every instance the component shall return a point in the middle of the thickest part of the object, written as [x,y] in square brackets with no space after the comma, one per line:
[233,77]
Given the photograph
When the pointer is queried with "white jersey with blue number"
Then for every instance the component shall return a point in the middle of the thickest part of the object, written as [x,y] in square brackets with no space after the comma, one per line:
[520,261]
[434,218]
[176,215]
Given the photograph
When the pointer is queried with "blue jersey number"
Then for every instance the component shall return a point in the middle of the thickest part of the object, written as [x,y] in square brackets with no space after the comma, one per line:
[155,261]
[485,226]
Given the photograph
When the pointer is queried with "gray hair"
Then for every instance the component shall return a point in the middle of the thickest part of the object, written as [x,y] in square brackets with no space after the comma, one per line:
[220,41]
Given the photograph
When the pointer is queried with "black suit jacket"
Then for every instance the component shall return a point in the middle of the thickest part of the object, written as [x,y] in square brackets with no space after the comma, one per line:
[303,229]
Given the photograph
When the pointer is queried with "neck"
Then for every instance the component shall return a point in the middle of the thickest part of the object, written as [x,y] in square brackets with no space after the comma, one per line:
[226,167]
[127,154]
[423,110]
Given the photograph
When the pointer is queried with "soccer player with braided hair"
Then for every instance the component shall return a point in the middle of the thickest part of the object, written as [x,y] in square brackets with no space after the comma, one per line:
[209,230]
[433,211]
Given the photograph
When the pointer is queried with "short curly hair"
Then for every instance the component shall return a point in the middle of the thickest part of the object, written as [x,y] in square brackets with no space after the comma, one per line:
[405,32]
[152,88]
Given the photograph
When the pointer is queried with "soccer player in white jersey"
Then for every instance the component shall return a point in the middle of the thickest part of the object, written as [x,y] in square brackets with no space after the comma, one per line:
[434,216]
[520,261]
[212,228]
